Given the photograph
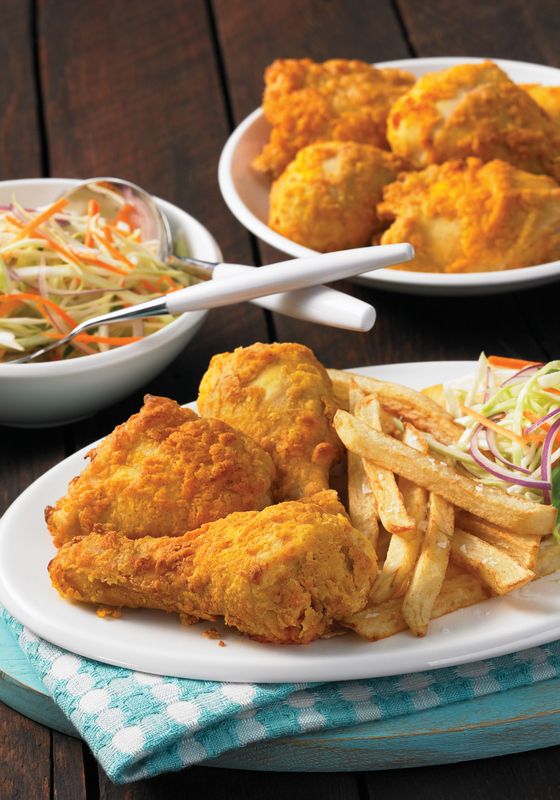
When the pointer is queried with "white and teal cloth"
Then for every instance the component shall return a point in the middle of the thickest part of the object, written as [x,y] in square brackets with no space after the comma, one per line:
[139,725]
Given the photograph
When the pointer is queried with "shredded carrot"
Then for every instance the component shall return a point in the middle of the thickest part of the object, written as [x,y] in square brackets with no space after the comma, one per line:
[42,302]
[31,226]
[552,390]
[8,305]
[488,423]
[124,214]
[511,363]
[94,339]
[93,209]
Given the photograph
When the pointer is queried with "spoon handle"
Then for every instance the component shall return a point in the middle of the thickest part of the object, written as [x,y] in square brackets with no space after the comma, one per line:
[286,275]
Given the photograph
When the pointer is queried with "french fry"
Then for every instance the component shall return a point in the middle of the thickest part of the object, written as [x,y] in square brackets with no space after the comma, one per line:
[402,553]
[504,510]
[491,565]
[523,549]
[390,506]
[421,411]
[429,572]
[379,622]
[362,505]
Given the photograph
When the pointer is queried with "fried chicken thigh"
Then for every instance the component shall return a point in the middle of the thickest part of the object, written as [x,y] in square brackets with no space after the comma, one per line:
[473,110]
[286,574]
[306,102]
[161,473]
[326,198]
[281,396]
[467,216]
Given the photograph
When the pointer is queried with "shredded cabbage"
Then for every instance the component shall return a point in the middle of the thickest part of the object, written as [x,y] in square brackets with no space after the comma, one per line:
[520,404]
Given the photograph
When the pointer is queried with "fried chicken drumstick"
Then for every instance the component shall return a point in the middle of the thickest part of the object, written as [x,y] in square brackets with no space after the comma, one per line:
[163,472]
[281,396]
[286,574]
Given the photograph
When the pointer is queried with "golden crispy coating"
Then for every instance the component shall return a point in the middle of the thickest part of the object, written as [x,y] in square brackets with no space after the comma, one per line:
[281,396]
[163,472]
[284,575]
[467,216]
[547,97]
[473,110]
[342,100]
[326,198]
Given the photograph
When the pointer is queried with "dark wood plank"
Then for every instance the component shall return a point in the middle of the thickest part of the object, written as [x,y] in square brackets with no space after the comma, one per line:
[529,775]
[517,29]
[25,757]
[67,768]
[20,144]
[225,784]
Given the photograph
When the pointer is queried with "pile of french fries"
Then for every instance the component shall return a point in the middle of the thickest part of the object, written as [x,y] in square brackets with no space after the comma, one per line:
[443,541]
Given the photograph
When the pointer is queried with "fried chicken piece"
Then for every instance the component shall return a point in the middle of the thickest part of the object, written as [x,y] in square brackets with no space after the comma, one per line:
[467,216]
[547,97]
[306,102]
[281,396]
[161,473]
[326,198]
[284,575]
[473,110]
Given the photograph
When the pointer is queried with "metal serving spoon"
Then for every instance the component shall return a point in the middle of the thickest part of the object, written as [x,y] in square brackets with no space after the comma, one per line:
[318,304]
[247,286]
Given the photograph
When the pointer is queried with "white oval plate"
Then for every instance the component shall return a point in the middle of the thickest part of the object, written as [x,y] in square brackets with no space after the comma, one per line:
[246,194]
[155,642]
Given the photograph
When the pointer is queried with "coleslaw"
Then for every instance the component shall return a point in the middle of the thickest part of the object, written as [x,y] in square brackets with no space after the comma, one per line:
[58,268]
[510,412]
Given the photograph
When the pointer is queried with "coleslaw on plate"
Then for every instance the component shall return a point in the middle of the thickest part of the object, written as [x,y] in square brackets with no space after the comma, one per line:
[510,412]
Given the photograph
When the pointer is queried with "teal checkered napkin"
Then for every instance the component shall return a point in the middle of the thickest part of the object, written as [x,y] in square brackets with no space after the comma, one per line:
[140,725]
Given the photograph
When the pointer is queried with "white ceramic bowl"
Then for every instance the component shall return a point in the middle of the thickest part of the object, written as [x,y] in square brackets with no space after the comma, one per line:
[246,194]
[47,394]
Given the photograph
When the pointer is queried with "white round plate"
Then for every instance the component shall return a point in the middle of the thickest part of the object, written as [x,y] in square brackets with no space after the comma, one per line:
[246,194]
[155,642]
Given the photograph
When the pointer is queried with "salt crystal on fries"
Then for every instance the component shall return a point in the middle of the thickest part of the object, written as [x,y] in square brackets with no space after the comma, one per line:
[515,514]
[493,566]
[429,572]
[420,410]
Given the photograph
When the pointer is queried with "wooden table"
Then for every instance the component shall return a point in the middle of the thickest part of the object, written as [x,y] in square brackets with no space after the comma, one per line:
[149,91]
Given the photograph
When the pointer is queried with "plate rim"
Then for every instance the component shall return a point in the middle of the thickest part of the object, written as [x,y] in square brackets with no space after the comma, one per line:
[392,280]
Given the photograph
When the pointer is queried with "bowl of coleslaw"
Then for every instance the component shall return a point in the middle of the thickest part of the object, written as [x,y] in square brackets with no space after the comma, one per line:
[57,269]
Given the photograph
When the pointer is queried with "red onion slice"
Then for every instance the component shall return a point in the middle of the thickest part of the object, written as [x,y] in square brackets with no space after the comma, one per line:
[526,372]
[539,422]
[500,472]
[546,458]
